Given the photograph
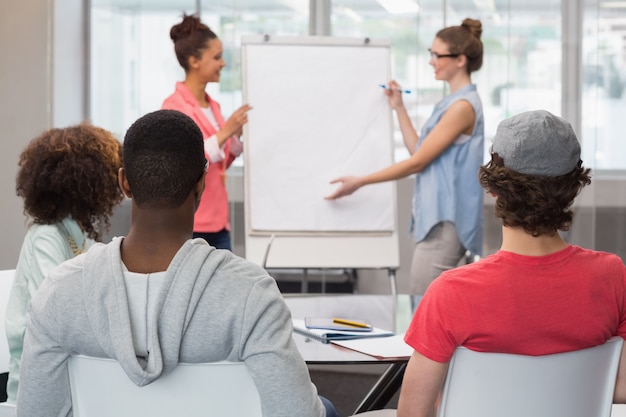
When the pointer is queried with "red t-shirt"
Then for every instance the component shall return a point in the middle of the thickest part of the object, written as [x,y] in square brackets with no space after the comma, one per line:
[532,305]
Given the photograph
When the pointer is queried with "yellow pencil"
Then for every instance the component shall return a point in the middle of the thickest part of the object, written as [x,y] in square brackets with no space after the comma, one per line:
[351,323]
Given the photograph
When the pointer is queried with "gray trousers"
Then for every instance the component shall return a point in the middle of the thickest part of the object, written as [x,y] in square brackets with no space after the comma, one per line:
[440,250]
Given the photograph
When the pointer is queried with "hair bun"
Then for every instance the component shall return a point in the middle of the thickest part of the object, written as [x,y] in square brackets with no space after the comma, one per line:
[473,26]
[187,27]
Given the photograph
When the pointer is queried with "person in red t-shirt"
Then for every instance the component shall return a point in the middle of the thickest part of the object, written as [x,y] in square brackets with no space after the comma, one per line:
[537,295]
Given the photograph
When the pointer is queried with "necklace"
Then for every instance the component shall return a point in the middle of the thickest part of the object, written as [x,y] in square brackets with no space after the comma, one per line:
[74,247]
[70,240]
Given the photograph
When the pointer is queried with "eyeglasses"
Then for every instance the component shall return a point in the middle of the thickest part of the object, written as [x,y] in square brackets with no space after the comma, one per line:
[435,56]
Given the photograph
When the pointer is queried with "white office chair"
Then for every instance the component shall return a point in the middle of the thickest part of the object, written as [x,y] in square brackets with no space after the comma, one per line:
[100,388]
[619,410]
[7,410]
[570,384]
[6,280]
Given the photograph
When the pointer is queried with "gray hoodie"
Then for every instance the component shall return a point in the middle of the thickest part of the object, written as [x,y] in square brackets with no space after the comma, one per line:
[216,307]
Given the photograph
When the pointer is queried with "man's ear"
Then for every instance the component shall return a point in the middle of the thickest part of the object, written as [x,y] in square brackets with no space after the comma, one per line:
[122,182]
[199,189]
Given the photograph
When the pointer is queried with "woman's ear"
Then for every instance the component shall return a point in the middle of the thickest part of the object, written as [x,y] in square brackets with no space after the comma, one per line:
[462,61]
[192,62]
[122,182]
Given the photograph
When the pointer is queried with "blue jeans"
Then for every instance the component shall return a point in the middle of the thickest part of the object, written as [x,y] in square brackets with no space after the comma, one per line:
[330,408]
[219,240]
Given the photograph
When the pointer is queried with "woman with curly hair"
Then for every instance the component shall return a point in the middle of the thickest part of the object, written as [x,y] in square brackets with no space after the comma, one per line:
[537,295]
[68,180]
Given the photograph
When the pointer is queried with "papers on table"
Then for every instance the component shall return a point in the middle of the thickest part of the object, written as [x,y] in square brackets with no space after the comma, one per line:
[381,348]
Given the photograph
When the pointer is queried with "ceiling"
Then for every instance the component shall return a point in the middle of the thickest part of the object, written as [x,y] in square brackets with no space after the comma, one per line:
[365,7]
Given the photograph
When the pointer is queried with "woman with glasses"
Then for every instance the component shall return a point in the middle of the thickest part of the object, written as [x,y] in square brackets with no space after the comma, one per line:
[447,203]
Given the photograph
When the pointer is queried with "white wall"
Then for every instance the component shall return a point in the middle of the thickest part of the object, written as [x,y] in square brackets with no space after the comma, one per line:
[70,62]
[29,93]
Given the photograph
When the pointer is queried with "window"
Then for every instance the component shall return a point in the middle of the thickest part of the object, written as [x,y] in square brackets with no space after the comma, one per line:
[521,65]
[133,65]
[603,77]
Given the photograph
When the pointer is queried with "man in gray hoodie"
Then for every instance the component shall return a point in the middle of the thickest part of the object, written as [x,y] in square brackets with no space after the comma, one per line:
[157,297]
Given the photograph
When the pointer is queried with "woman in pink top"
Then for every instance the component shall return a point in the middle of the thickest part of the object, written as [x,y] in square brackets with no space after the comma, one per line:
[199,52]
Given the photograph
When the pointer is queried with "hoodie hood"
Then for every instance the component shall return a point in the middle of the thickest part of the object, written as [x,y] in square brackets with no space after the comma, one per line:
[189,272]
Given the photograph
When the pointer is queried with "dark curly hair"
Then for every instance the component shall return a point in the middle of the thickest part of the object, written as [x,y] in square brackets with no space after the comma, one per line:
[190,38]
[539,205]
[71,172]
[465,39]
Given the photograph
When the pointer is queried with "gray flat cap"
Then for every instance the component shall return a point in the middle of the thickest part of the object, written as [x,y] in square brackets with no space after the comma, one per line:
[537,143]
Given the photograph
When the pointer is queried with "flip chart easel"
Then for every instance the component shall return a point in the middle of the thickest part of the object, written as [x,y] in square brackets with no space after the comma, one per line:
[318,113]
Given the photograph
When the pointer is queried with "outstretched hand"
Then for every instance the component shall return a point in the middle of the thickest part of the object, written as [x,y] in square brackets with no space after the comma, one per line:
[235,122]
[348,186]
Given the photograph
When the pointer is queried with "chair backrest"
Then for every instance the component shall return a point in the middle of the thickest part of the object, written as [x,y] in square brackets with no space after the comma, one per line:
[6,280]
[570,384]
[7,410]
[100,388]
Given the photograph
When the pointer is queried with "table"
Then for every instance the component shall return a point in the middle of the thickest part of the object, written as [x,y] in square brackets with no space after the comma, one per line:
[384,311]
[317,353]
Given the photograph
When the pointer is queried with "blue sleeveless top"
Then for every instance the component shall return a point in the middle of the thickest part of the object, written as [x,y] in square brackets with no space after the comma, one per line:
[448,189]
